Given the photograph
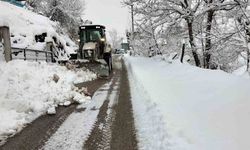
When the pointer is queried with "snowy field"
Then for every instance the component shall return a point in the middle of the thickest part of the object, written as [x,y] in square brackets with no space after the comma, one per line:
[28,90]
[181,107]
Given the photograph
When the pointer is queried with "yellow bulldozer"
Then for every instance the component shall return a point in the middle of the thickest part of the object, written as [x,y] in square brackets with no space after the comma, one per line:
[94,52]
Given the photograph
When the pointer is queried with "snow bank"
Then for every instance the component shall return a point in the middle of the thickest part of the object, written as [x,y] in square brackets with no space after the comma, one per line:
[24,25]
[178,106]
[28,90]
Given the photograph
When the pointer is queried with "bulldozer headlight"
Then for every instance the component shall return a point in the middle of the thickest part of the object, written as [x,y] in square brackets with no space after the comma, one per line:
[78,40]
[102,39]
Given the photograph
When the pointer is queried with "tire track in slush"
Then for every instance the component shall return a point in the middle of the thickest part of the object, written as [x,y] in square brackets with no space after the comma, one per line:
[114,128]
[123,128]
[100,136]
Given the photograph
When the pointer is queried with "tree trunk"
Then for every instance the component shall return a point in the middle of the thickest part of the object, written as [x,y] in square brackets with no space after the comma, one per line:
[248,48]
[158,52]
[154,38]
[182,52]
[191,41]
[207,54]
[248,59]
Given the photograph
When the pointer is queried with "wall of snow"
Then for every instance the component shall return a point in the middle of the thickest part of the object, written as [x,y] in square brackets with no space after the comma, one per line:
[197,109]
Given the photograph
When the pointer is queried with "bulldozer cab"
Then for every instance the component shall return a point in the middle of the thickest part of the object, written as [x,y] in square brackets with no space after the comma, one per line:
[92,41]
[93,47]
[93,33]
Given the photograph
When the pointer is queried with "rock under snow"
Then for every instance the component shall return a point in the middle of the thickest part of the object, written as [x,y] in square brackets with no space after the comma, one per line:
[56,78]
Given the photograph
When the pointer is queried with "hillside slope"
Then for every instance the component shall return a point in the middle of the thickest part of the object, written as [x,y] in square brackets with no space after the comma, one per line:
[25,25]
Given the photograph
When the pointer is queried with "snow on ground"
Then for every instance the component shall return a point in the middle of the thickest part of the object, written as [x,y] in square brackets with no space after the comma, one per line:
[178,106]
[75,130]
[242,71]
[28,90]
[25,24]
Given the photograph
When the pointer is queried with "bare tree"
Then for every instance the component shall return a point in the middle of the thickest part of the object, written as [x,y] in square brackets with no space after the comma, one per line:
[208,25]
[170,12]
[243,26]
[116,40]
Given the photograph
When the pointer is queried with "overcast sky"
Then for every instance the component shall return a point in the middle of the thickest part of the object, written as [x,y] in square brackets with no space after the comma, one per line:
[109,13]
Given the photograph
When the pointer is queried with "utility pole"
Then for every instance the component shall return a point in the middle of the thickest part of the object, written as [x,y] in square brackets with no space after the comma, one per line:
[132,16]
[133,27]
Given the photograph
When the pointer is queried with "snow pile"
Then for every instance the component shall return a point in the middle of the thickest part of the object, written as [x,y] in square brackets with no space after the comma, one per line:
[28,90]
[25,25]
[178,106]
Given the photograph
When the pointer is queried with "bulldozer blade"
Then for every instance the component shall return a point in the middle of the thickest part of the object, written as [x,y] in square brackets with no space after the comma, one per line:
[99,67]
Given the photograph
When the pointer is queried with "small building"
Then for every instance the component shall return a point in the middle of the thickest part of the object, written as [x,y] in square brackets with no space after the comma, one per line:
[125,46]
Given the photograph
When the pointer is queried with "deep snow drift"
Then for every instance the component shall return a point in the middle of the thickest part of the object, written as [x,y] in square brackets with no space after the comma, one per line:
[28,90]
[178,106]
